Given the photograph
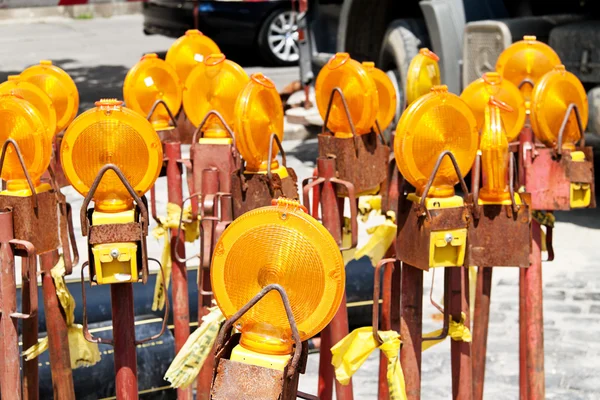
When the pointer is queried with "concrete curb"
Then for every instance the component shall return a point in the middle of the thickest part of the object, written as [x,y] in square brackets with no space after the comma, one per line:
[83,11]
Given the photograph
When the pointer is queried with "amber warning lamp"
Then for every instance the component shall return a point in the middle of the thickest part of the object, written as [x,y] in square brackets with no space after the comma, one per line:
[152,89]
[59,86]
[113,135]
[188,51]
[278,247]
[386,95]
[423,74]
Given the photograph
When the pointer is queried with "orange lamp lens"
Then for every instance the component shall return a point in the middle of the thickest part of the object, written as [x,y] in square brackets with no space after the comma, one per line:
[22,122]
[359,90]
[111,134]
[434,123]
[386,94]
[526,60]
[423,74]
[188,51]
[551,97]
[40,100]
[277,245]
[258,114]
[494,153]
[213,84]
[152,79]
[477,95]
[59,86]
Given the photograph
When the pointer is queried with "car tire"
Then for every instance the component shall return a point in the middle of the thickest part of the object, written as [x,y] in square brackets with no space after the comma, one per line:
[278,38]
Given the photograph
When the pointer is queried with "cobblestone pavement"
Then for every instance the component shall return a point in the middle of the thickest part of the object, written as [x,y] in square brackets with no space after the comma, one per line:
[98,52]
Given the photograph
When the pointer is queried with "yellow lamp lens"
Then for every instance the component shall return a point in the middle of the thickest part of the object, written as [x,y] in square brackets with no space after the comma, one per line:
[22,122]
[214,84]
[149,80]
[434,123]
[386,93]
[526,59]
[188,51]
[423,74]
[477,95]
[59,86]
[258,114]
[551,96]
[40,100]
[359,90]
[285,246]
[111,134]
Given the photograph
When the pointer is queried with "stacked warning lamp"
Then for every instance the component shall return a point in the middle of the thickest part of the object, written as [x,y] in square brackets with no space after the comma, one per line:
[423,74]
[188,51]
[386,95]
[152,88]
[291,251]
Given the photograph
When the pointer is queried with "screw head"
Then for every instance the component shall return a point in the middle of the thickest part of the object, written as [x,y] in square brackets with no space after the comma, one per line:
[114,253]
[448,238]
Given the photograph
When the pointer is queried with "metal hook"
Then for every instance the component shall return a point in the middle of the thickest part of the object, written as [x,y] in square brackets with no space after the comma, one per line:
[22,162]
[376,292]
[164,104]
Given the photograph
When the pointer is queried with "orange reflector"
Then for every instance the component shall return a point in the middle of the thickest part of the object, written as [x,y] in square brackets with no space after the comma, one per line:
[386,94]
[359,90]
[188,51]
[59,86]
[214,84]
[22,122]
[258,114]
[423,74]
[111,134]
[282,245]
[477,95]
[550,98]
[435,122]
[149,80]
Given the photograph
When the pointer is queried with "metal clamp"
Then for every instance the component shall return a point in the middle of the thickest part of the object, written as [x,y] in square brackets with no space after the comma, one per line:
[29,278]
[166,107]
[387,292]
[445,310]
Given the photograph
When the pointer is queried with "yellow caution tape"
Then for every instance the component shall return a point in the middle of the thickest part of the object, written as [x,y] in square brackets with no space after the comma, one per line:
[472,289]
[458,331]
[382,237]
[187,363]
[83,353]
[353,350]
[545,218]
[366,204]
[171,221]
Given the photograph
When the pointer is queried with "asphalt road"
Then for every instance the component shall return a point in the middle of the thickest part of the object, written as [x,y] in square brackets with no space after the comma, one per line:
[98,53]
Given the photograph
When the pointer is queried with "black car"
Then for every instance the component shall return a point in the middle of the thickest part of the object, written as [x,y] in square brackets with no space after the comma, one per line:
[270,25]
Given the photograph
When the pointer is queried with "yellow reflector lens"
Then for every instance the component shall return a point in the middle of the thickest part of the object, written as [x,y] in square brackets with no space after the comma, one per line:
[149,80]
[258,114]
[40,100]
[214,84]
[478,93]
[285,246]
[423,74]
[21,121]
[435,122]
[111,134]
[386,93]
[189,50]
[59,86]
[526,59]
[550,98]
[359,90]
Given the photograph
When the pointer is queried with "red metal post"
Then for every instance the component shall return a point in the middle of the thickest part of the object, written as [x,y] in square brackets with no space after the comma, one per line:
[462,368]
[30,337]
[523,383]
[10,379]
[411,329]
[179,281]
[121,297]
[480,329]
[56,327]
[385,325]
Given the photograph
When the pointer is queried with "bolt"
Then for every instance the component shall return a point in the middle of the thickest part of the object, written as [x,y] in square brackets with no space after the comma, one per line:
[114,253]
[448,237]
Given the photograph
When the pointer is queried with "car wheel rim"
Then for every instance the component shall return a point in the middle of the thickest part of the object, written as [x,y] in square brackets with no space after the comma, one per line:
[283,36]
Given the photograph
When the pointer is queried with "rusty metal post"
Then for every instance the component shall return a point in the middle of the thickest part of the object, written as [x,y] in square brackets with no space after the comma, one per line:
[385,324]
[411,328]
[58,334]
[121,297]
[523,382]
[179,280]
[30,337]
[480,329]
[10,379]
[462,369]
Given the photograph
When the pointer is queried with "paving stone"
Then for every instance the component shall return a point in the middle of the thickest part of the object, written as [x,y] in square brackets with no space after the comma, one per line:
[594,308]
[587,296]
[562,308]
[554,295]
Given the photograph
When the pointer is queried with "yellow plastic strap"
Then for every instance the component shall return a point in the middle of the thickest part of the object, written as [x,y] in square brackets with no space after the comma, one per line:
[472,289]
[458,331]
[187,363]
[171,221]
[353,350]
[83,353]
[545,218]
[366,204]
[382,237]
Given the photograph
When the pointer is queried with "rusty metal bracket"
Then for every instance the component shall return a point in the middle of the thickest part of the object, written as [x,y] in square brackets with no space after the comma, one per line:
[572,108]
[166,107]
[215,113]
[275,138]
[445,311]
[387,289]
[225,332]
[29,279]
[22,163]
